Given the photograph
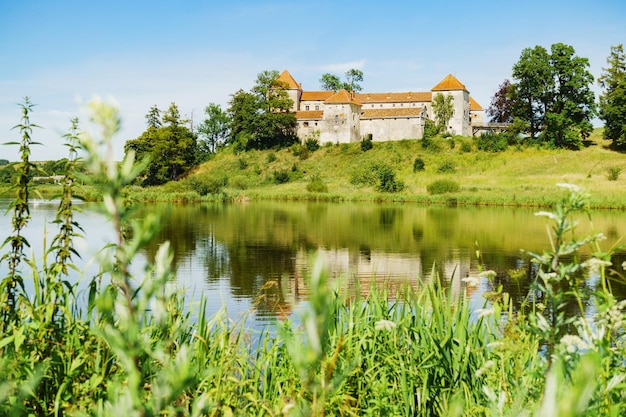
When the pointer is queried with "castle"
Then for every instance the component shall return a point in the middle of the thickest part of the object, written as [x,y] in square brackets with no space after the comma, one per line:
[343,117]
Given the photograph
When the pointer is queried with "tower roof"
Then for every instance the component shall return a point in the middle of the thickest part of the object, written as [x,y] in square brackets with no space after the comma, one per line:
[342,97]
[474,106]
[285,77]
[450,83]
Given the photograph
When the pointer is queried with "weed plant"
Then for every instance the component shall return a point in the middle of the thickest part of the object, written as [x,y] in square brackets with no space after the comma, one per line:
[129,346]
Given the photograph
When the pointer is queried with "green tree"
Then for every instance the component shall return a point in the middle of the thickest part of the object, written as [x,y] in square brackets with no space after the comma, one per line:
[170,146]
[214,129]
[332,82]
[261,118]
[613,99]
[443,109]
[552,95]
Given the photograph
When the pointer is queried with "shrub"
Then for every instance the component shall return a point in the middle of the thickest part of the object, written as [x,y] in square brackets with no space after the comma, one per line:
[243,164]
[364,175]
[466,147]
[366,143]
[239,182]
[316,185]
[430,130]
[312,144]
[442,187]
[490,142]
[281,177]
[205,184]
[446,166]
[271,158]
[387,182]
[418,164]
[613,173]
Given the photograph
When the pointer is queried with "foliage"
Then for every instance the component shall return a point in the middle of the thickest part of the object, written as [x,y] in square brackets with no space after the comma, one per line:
[4,162]
[490,142]
[613,173]
[613,98]
[261,118]
[215,130]
[271,157]
[317,185]
[312,143]
[332,82]
[281,176]
[170,147]
[443,109]
[418,164]
[387,181]
[430,131]
[204,184]
[442,187]
[446,166]
[502,104]
[552,94]
[367,144]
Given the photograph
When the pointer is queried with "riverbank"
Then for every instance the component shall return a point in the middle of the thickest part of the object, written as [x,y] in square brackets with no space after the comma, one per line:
[517,176]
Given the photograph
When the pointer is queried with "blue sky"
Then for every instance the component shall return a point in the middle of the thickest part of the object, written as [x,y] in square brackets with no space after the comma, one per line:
[143,53]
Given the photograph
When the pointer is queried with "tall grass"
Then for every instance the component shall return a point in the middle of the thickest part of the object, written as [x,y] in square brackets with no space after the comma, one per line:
[130,346]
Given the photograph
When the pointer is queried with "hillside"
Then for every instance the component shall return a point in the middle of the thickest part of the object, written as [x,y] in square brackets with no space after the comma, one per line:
[518,175]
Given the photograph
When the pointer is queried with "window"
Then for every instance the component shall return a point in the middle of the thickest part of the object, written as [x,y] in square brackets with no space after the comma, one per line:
[306,107]
[305,124]
[394,105]
[317,107]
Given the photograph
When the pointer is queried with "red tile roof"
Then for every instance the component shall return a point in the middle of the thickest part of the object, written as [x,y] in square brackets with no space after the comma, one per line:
[342,97]
[474,106]
[450,83]
[388,113]
[309,114]
[316,95]
[405,97]
[286,78]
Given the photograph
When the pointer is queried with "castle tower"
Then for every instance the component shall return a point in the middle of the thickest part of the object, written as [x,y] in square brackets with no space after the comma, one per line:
[460,122]
[341,119]
[293,89]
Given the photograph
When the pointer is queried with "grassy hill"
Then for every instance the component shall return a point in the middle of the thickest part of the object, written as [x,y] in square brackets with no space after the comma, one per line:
[516,176]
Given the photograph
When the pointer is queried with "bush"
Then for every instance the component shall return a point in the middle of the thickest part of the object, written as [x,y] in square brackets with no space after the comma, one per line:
[466,147]
[387,182]
[204,185]
[271,158]
[442,187]
[418,164]
[243,164]
[446,166]
[366,143]
[281,177]
[613,173]
[489,142]
[312,144]
[316,185]
[365,175]
[430,130]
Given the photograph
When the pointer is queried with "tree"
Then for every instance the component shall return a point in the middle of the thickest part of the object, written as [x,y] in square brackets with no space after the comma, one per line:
[613,99]
[501,108]
[261,118]
[443,109]
[170,146]
[332,82]
[552,95]
[214,129]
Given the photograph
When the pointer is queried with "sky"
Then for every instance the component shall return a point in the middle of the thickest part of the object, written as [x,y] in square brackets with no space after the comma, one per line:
[141,53]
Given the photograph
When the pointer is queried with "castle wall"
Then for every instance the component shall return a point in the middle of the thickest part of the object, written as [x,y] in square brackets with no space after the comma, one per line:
[386,129]
[340,124]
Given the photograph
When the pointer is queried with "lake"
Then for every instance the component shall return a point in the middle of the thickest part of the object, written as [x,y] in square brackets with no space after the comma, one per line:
[253,258]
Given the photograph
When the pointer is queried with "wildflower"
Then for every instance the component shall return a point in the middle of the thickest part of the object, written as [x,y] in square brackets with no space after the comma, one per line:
[595,265]
[489,274]
[570,187]
[573,343]
[471,281]
[624,265]
[546,214]
[484,368]
[482,312]
[385,325]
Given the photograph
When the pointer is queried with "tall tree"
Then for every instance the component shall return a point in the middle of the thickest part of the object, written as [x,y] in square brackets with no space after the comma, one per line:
[553,96]
[170,146]
[332,82]
[261,118]
[214,129]
[443,109]
[501,108]
[613,98]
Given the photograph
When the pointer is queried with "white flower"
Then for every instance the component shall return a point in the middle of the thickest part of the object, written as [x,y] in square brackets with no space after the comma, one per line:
[624,265]
[385,325]
[471,281]
[489,274]
[485,368]
[573,343]
[595,265]
[482,312]
[570,187]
